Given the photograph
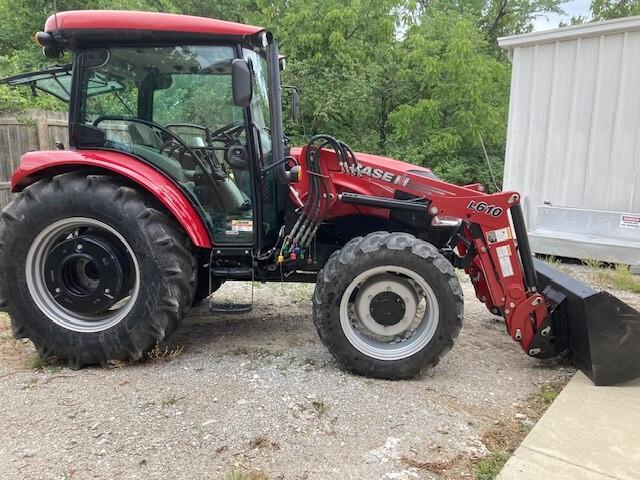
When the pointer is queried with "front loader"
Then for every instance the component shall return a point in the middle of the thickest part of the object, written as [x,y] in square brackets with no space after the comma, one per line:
[178,177]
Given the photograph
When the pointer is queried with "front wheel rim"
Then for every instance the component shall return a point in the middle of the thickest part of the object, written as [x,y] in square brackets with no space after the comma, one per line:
[386,340]
[95,245]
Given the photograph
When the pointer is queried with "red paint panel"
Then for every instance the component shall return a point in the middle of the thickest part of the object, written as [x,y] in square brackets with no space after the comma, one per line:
[129,20]
[35,165]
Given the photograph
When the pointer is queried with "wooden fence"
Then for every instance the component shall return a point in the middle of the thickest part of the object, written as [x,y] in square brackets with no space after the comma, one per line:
[31,130]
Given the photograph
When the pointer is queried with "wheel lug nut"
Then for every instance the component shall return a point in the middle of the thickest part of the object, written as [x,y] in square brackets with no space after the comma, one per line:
[79,246]
[58,290]
[106,290]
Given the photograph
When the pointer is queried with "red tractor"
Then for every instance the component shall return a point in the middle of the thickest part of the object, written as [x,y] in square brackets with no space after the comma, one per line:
[178,178]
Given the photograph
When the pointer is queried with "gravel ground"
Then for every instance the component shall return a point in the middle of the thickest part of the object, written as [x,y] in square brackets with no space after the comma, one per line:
[257,396]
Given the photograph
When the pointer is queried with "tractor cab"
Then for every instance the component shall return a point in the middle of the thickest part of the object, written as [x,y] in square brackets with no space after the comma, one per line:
[193,105]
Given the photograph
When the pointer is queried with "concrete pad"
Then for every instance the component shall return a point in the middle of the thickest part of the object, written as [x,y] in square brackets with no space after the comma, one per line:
[588,433]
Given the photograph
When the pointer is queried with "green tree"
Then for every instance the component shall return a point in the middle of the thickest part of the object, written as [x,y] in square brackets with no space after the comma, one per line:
[496,18]
[460,95]
[608,9]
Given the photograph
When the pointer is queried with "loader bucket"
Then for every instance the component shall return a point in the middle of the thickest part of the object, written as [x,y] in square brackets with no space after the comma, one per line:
[599,333]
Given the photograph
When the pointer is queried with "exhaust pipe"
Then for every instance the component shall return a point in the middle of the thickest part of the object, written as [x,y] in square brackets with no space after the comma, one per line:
[598,332]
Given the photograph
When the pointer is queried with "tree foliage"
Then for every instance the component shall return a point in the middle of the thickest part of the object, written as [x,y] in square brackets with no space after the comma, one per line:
[608,9]
[421,80]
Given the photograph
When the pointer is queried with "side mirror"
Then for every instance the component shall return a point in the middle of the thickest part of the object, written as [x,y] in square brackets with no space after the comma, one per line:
[241,82]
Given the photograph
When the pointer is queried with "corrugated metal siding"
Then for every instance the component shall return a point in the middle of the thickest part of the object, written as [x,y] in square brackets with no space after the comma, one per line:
[574,122]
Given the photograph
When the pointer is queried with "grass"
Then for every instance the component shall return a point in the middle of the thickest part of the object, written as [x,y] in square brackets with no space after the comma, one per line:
[617,277]
[592,263]
[299,292]
[244,474]
[621,278]
[166,354]
[320,407]
[548,395]
[489,467]
[32,383]
[45,365]
[172,399]
[553,261]
[542,400]
[262,441]
[66,474]
[257,356]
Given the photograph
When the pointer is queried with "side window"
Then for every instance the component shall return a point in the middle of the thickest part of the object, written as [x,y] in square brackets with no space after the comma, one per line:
[120,101]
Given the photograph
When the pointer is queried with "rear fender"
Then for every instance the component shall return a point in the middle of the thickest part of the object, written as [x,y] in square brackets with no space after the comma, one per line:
[41,164]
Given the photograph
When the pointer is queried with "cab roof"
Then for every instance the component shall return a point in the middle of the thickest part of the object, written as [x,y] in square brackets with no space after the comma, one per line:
[81,22]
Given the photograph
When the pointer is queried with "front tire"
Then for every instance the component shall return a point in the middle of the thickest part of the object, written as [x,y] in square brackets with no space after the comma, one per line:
[92,270]
[388,305]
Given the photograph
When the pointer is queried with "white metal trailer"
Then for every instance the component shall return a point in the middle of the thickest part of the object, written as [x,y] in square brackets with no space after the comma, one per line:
[573,141]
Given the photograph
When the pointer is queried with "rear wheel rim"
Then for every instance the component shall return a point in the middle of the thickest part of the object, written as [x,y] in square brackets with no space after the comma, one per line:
[401,331]
[78,274]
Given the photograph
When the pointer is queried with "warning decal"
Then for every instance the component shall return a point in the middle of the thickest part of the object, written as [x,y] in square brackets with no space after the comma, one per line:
[504,256]
[630,221]
[495,236]
[242,225]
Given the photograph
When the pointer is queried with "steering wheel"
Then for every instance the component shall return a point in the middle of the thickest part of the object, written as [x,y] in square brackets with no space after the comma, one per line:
[174,142]
[148,123]
[228,131]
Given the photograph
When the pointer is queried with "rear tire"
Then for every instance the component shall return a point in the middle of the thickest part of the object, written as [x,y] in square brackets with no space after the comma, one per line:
[388,305]
[55,230]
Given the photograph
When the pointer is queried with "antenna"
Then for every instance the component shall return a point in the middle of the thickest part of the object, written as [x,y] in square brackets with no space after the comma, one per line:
[486,157]
[55,14]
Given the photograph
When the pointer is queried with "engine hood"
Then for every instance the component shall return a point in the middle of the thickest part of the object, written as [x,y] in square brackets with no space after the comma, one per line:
[377,161]
[381,163]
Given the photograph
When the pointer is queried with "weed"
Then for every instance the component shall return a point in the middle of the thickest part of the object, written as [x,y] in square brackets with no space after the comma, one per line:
[285,363]
[548,395]
[622,279]
[433,467]
[243,474]
[166,354]
[320,407]
[553,261]
[592,263]
[46,365]
[36,362]
[32,383]
[262,441]
[300,293]
[545,397]
[619,277]
[309,361]
[171,400]
[256,356]
[66,474]
[489,467]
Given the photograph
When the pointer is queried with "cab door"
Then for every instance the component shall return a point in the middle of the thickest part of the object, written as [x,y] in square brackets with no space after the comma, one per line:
[174,109]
